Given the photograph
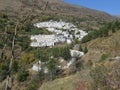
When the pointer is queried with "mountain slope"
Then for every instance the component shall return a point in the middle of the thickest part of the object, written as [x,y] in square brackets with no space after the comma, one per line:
[52,6]
[84,18]
[103,54]
[26,56]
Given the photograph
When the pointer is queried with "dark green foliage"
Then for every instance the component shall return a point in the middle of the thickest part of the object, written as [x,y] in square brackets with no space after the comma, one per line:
[32,86]
[62,52]
[66,53]
[3,21]
[42,54]
[85,50]
[76,41]
[1,41]
[15,67]
[114,26]
[56,52]
[80,48]
[41,75]
[36,81]
[3,70]
[52,66]
[3,74]
[87,38]
[102,32]
[22,75]
[23,41]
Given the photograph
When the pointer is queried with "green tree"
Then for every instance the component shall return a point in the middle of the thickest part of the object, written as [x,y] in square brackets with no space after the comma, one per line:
[52,66]
[85,50]
[80,48]
[15,66]
[3,70]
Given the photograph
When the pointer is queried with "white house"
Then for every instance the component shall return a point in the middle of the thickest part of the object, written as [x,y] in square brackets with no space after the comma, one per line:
[76,53]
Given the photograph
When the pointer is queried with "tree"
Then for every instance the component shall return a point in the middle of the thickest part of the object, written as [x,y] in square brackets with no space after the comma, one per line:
[86,38]
[52,66]
[80,48]
[3,70]
[85,50]
[15,66]
[66,53]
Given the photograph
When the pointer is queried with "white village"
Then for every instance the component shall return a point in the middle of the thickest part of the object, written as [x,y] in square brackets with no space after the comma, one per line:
[62,34]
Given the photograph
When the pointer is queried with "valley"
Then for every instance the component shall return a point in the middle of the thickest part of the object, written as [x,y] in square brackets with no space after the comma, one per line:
[53,45]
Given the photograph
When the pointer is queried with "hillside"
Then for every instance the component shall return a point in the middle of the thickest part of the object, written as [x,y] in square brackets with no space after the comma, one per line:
[101,65]
[53,45]
[53,6]
[85,17]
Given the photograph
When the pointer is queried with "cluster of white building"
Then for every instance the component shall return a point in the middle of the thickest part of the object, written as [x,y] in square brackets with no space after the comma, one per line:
[55,24]
[62,33]
[46,40]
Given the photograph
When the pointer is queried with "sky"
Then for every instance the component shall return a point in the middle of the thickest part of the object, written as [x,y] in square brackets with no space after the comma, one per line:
[109,6]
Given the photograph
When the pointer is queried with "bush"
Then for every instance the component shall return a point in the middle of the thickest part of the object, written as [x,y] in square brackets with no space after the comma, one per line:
[14,67]
[80,48]
[62,52]
[32,86]
[86,38]
[102,32]
[23,41]
[103,57]
[85,50]
[22,76]
[3,70]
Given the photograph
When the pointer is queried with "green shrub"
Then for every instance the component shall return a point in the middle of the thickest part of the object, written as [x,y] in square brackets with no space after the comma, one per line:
[32,86]
[103,57]
[22,76]
[102,32]
[3,70]
[15,67]
[80,48]
[85,50]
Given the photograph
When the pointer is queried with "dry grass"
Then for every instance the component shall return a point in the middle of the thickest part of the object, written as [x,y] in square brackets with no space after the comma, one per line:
[106,45]
[70,82]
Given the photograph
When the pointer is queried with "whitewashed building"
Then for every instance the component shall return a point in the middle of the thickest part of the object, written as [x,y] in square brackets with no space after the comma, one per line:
[62,33]
[76,53]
